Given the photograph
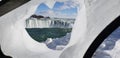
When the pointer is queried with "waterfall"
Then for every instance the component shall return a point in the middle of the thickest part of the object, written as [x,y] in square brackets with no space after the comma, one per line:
[48,23]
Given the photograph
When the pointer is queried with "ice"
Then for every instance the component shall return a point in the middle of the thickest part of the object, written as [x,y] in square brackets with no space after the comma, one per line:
[93,17]
[48,41]
[111,46]
[59,43]
[14,39]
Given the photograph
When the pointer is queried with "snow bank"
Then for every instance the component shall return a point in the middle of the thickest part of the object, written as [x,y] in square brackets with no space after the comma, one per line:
[93,17]
[14,39]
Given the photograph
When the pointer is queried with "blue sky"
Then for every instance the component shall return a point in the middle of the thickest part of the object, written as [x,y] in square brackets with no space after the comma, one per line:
[60,10]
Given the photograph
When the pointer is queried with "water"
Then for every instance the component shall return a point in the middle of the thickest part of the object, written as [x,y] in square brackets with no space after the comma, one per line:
[49,23]
[54,32]
[41,34]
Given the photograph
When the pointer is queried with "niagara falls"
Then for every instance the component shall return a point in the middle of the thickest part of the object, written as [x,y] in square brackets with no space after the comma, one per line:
[52,27]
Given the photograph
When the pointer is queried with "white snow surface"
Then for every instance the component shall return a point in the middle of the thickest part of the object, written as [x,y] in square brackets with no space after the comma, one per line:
[93,17]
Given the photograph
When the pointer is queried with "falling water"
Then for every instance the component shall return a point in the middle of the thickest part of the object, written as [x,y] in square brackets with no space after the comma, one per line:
[49,23]
[59,41]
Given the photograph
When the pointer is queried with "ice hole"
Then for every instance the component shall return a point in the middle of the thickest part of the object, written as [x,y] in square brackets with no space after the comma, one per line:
[53,26]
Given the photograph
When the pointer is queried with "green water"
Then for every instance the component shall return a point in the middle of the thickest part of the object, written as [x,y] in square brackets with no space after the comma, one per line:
[41,34]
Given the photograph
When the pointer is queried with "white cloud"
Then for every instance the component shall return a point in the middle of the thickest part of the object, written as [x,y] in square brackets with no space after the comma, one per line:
[47,13]
[69,4]
[50,12]
[61,15]
[57,14]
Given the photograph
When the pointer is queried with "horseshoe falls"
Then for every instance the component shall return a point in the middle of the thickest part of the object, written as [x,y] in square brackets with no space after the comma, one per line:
[49,23]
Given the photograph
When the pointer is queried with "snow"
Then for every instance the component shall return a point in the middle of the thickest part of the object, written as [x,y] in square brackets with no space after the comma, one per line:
[49,40]
[110,47]
[93,17]
[15,40]
[59,43]
[99,14]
